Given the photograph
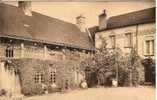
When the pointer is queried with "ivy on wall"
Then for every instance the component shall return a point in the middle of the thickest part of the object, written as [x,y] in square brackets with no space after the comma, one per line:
[29,67]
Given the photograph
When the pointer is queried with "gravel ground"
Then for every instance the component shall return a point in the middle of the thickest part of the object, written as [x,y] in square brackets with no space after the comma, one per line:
[120,93]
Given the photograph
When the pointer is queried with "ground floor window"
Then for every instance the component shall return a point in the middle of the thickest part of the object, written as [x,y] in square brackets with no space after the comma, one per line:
[53,75]
[39,77]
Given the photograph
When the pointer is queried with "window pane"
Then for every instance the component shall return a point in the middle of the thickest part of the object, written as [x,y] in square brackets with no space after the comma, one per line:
[147,47]
[6,52]
[9,52]
[152,47]
[113,41]
[53,76]
[128,40]
[12,53]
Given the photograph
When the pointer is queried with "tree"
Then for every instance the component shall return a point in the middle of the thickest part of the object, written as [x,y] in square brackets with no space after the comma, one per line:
[103,64]
[111,64]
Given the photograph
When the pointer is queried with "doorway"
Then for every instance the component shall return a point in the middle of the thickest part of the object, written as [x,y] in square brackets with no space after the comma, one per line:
[149,68]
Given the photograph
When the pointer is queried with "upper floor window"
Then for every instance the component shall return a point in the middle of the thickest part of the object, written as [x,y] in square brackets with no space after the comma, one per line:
[128,40]
[113,41]
[9,51]
[149,47]
[39,77]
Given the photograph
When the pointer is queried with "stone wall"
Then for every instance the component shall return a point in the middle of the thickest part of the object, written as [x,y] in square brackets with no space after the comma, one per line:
[66,75]
[39,51]
[139,35]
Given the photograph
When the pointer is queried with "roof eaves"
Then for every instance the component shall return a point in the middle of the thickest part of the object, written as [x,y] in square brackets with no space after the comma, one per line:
[48,42]
[124,26]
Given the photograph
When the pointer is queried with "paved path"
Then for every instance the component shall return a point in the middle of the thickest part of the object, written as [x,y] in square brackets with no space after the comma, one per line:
[120,93]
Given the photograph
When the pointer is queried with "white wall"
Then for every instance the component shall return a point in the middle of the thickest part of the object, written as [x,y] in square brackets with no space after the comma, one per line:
[143,32]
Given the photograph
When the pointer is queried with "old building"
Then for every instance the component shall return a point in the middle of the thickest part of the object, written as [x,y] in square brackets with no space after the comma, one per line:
[30,34]
[127,31]
[25,34]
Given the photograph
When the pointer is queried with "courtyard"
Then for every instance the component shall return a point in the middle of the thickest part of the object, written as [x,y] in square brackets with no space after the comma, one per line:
[120,93]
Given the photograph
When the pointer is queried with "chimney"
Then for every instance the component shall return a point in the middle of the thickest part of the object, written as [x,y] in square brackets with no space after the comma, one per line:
[26,7]
[80,21]
[103,20]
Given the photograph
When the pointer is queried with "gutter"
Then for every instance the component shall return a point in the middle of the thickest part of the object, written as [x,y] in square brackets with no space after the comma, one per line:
[48,42]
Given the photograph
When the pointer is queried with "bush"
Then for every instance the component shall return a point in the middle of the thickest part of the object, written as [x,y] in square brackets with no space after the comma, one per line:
[114,64]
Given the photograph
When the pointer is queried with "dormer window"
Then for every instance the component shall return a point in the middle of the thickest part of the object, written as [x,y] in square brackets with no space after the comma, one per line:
[9,51]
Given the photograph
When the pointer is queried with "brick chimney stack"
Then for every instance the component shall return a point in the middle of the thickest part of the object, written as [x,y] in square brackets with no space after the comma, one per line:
[103,20]
[26,7]
[81,23]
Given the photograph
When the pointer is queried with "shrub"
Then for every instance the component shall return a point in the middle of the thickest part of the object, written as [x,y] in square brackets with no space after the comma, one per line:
[114,64]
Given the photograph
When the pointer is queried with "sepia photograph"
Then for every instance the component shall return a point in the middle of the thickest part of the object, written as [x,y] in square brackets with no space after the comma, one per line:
[76,50]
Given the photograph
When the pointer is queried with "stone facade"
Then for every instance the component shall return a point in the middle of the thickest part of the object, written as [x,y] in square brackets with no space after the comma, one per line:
[139,35]
[32,44]
[55,75]
[30,58]
[135,30]
[41,51]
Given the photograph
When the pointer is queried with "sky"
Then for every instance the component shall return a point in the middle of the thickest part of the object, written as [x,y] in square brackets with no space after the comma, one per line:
[68,11]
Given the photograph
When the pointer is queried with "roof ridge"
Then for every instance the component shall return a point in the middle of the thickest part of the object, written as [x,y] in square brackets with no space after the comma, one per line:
[132,12]
[54,18]
[39,13]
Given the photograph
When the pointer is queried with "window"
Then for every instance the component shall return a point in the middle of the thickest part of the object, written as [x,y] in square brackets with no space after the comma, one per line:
[53,76]
[149,47]
[9,51]
[128,37]
[39,78]
[113,41]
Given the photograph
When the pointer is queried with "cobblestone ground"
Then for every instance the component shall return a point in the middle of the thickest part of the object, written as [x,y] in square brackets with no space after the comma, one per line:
[120,93]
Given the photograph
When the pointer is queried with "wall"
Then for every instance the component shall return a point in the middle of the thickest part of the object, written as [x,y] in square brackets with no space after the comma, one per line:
[142,30]
[146,31]
[39,51]
[64,71]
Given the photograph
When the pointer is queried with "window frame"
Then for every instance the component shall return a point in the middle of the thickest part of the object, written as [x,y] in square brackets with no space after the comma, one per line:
[112,41]
[39,78]
[151,51]
[9,52]
[128,40]
[52,75]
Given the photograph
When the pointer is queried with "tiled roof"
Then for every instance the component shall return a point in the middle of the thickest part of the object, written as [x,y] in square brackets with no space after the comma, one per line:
[133,18]
[14,23]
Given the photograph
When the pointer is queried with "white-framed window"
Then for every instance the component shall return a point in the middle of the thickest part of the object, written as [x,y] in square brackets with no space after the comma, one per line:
[9,52]
[128,40]
[149,47]
[113,41]
[39,77]
[53,75]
